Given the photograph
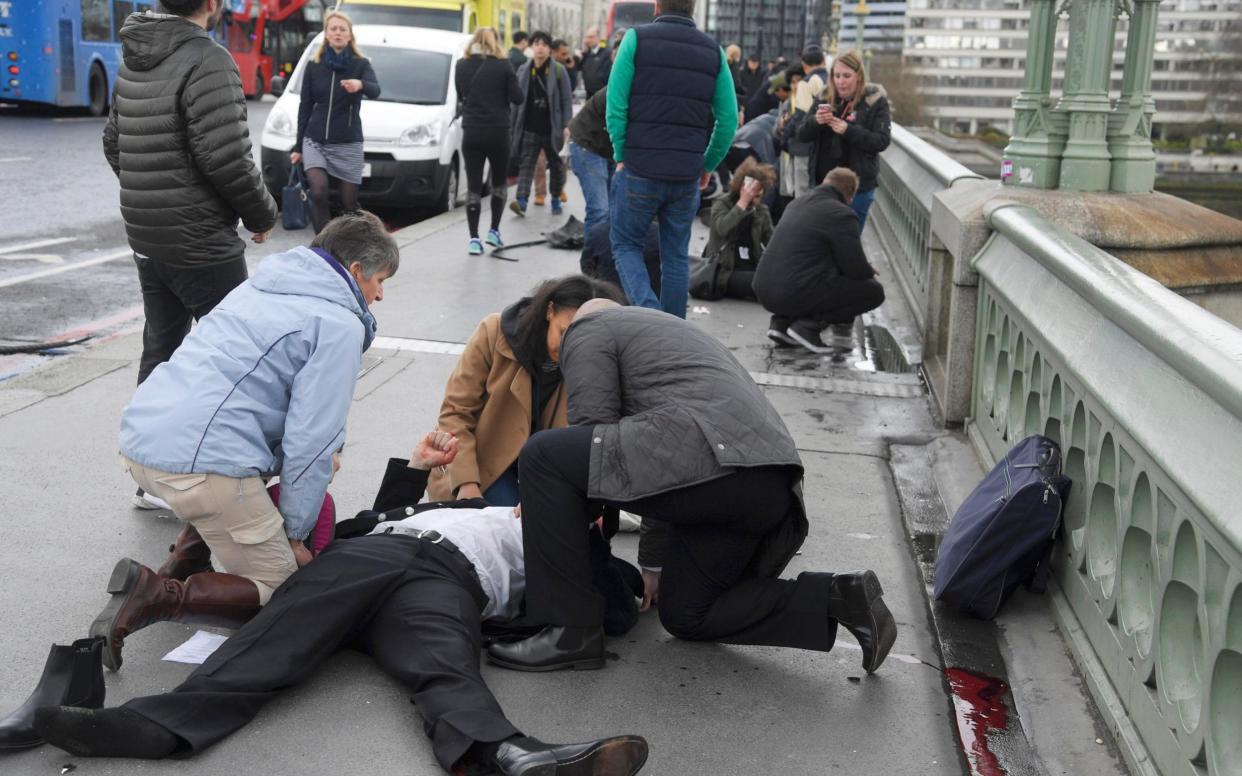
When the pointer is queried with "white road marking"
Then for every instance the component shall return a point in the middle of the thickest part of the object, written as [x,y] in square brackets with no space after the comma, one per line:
[14,159]
[29,246]
[66,268]
[419,345]
[45,258]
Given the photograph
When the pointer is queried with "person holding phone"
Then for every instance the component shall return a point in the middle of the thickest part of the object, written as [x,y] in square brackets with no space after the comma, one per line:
[850,124]
[741,226]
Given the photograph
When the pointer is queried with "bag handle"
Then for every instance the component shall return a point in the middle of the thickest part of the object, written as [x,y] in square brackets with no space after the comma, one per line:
[296,176]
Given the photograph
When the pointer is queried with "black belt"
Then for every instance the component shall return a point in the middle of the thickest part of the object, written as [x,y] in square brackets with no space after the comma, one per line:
[434,537]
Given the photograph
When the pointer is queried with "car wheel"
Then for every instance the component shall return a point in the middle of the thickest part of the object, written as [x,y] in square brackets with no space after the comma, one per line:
[259,86]
[98,91]
[449,197]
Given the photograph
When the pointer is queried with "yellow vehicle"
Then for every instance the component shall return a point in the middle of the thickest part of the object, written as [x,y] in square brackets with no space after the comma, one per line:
[452,15]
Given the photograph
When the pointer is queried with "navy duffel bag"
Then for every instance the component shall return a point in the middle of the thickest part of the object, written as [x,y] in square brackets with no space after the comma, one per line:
[1003,534]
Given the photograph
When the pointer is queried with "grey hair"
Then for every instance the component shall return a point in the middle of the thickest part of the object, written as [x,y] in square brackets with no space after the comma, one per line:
[360,237]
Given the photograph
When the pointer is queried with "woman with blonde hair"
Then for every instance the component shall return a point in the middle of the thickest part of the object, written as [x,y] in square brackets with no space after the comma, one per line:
[486,87]
[850,125]
[329,144]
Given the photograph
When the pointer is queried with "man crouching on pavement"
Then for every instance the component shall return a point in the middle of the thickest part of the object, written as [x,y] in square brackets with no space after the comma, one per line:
[261,387]
[412,593]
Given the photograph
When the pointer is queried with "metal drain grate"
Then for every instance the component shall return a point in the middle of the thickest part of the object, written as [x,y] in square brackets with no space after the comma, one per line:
[900,387]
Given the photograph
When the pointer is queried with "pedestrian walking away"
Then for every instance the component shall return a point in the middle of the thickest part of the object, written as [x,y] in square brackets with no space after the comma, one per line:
[814,273]
[261,387]
[666,424]
[540,123]
[421,579]
[660,140]
[329,143]
[177,139]
[850,124]
[486,88]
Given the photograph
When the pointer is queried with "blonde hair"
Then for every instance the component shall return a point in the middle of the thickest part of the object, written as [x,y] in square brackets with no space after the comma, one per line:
[853,60]
[485,42]
[734,53]
[353,42]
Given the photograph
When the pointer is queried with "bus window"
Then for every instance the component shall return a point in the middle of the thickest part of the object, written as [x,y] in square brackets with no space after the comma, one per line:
[241,34]
[121,10]
[96,21]
[517,22]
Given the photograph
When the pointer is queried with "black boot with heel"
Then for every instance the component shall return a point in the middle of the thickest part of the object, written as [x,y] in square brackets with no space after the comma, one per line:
[72,676]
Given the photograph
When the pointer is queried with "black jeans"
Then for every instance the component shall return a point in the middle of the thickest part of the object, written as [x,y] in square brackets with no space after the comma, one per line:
[840,301]
[174,296]
[411,605]
[707,590]
[490,144]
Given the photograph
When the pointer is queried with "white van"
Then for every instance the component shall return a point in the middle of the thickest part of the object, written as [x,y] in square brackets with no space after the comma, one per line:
[411,135]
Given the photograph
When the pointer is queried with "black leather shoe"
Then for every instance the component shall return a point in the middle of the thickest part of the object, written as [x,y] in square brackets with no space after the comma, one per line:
[551,649]
[617,756]
[856,601]
[72,676]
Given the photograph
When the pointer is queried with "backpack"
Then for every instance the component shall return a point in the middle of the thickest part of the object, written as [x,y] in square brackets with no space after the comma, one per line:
[1003,534]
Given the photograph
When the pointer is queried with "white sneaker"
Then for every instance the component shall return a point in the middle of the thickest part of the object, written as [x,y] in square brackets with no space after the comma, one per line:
[144,500]
[628,523]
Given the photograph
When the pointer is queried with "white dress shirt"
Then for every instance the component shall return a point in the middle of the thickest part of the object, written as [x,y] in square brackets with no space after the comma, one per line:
[491,539]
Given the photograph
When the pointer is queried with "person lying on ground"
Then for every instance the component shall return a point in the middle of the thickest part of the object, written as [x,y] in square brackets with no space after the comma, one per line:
[412,593]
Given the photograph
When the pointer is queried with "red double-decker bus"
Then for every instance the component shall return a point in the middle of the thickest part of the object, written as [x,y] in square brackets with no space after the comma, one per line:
[624,14]
[266,37]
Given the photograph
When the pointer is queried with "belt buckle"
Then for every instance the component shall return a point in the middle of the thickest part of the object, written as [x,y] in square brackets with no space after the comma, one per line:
[439,537]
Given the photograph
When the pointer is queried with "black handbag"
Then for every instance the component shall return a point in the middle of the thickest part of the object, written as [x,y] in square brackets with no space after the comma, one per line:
[708,276]
[295,200]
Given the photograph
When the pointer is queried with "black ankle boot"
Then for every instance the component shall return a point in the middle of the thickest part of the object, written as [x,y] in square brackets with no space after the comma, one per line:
[553,648]
[72,676]
[856,601]
[115,732]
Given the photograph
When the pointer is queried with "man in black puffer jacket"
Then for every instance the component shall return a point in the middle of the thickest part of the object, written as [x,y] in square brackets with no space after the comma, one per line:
[178,140]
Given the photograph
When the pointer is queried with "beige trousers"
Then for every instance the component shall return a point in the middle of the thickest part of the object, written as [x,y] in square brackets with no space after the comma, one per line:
[236,518]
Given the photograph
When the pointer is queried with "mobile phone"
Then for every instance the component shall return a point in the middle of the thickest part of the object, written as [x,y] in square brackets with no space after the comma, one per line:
[746,181]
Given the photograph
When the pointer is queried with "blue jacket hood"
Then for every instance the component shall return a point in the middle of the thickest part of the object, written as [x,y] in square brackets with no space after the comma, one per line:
[308,272]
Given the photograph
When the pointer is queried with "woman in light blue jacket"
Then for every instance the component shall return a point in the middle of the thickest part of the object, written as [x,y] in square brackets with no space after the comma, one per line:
[261,387]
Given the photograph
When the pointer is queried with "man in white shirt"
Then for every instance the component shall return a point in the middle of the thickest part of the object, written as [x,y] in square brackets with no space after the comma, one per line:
[412,594]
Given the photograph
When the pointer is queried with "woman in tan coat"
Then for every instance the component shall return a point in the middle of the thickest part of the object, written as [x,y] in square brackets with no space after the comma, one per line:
[506,386]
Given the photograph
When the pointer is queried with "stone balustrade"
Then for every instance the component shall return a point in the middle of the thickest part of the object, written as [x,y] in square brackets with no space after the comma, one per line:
[1143,389]
[1028,329]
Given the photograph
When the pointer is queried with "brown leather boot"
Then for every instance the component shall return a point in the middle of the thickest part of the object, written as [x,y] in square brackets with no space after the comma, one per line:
[140,597]
[189,554]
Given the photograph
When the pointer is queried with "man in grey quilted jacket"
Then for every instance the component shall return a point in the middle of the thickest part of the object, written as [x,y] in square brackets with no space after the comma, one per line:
[177,139]
[666,424]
